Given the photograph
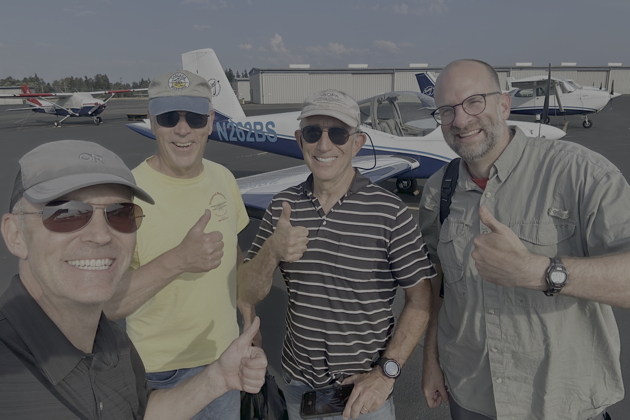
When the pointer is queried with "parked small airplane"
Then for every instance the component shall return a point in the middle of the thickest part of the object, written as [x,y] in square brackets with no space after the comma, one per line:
[77,104]
[404,139]
[566,97]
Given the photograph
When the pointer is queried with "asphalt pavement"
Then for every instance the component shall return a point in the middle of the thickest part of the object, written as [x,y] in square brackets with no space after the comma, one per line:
[23,131]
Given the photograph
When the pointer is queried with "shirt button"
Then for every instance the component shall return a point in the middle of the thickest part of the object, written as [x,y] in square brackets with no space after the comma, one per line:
[498,380]
[488,194]
[494,349]
[491,311]
[100,405]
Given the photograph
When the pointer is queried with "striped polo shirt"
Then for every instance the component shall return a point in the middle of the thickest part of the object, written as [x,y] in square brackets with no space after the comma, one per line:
[341,291]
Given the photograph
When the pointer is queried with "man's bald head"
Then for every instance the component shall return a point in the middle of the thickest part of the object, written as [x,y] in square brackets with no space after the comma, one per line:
[490,75]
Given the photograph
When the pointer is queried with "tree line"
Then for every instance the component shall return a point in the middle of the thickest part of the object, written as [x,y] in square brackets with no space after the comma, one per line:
[88,84]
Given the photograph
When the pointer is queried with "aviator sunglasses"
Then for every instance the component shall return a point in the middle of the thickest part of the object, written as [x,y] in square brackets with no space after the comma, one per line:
[171,119]
[337,135]
[69,216]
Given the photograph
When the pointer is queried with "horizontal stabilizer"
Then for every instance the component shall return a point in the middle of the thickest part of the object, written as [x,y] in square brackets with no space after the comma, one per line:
[258,190]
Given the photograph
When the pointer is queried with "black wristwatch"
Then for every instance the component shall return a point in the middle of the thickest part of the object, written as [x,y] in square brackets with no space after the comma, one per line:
[391,368]
[557,276]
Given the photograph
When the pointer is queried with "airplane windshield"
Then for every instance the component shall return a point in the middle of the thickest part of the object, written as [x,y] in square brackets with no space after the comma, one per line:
[403,114]
[573,84]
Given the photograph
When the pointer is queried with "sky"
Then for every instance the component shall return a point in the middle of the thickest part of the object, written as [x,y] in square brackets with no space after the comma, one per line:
[132,39]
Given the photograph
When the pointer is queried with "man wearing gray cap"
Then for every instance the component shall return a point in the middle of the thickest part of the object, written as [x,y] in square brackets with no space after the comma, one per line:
[180,296]
[343,245]
[73,226]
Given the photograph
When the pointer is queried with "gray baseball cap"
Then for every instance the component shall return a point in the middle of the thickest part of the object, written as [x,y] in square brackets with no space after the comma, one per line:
[333,103]
[179,90]
[60,167]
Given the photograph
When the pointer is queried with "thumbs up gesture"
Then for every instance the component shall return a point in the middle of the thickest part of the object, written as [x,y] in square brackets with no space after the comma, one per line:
[501,258]
[288,242]
[199,251]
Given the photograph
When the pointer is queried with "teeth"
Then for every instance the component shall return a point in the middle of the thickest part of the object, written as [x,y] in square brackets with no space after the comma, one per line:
[470,133]
[102,264]
[183,144]
[325,160]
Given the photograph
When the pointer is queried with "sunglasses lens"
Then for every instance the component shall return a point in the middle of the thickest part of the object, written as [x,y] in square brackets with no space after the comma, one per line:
[338,135]
[311,133]
[195,120]
[168,119]
[66,216]
[124,217]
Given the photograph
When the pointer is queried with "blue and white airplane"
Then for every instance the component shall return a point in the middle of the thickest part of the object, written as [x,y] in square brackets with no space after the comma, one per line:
[77,104]
[406,142]
[566,97]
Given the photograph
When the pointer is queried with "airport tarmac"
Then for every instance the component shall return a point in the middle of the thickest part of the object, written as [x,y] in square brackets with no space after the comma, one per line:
[23,131]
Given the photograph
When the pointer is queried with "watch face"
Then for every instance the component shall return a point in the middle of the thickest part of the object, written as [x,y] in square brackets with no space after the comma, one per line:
[557,277]
[391,368]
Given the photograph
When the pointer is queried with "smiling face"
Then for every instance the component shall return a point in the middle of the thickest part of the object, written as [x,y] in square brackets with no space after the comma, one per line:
[180,148]
[331,164]
[82,267]
[480,137]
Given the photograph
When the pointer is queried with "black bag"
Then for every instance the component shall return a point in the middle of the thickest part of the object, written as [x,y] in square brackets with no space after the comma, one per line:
[268,404]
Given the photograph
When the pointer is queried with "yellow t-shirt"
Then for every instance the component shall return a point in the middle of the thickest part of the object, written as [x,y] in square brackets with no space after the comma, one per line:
[192,320]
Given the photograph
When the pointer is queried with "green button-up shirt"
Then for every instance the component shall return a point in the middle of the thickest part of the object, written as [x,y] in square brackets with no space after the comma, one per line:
[514,353]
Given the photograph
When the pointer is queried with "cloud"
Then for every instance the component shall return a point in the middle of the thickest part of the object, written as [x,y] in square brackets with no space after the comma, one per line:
[201,27]
[277,45]
[387,46]
[403,9]
[338,48]
[208,4]
[438,6]
[246,47]
[2,45]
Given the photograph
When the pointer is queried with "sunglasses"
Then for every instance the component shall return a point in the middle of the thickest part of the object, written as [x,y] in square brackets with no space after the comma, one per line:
[337,135]
[70,216]
[171,119]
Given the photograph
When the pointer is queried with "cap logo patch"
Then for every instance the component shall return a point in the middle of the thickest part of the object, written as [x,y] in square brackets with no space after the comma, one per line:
[178,81]
[91,157]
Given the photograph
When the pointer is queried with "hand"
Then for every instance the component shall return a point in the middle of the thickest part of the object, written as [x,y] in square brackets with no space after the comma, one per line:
[370,392]
[242,365]
[249,314]
[501,258]
[433,384]
[288,242]
[200,252]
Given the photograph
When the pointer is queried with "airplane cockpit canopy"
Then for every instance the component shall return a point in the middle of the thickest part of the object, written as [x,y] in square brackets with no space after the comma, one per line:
[401,113]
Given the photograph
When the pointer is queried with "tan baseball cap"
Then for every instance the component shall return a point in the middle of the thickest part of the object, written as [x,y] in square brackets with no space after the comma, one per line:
[333,103]
[179,90]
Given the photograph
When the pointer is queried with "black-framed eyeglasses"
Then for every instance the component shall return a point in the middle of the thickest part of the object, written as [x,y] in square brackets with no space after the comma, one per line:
[473,105]
[63,216]
[171,119]
[337,135]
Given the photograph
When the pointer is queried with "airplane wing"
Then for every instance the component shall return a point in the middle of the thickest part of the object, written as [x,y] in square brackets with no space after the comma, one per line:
[258,190]
[532,83]
[67,95]
[109,92]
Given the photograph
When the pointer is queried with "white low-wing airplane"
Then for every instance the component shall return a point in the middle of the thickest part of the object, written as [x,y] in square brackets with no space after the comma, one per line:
[76,104]
[405,141]
[566,97]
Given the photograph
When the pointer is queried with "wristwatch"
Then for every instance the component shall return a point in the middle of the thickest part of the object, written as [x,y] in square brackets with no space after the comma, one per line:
[390,367]
[557,276]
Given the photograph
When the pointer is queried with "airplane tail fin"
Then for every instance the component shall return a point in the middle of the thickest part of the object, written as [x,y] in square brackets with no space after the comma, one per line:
[426,81]
[34,101]
[205,63]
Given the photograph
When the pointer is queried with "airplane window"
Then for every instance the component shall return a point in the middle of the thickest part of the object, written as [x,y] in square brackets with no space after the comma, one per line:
[541,91]
[524,93]
[402,114]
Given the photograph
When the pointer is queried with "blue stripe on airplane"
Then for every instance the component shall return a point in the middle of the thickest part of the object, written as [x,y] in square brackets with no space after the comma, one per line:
[553,111]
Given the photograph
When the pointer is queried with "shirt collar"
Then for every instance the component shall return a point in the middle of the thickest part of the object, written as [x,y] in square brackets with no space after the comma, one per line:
[53,352]
[358,183]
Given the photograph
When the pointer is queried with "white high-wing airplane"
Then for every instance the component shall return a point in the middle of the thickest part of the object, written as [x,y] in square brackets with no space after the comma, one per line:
[406,142]
[566,97]
[76,104]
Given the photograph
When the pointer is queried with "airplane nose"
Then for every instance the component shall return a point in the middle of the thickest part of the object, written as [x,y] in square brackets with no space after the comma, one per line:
[550,132]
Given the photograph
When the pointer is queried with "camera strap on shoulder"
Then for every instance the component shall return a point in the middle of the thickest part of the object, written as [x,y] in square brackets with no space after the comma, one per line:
[449,183]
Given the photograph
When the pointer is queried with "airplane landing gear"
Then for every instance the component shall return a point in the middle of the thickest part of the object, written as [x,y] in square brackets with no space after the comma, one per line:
[97,120]
[57,124]
[407,186]
[586,123]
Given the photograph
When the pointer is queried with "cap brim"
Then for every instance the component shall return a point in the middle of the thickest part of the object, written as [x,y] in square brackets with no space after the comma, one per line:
[55,188]
[346,119]
[163,104]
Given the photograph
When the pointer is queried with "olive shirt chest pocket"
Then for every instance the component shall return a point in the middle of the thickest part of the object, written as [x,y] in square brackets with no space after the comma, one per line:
[454,249]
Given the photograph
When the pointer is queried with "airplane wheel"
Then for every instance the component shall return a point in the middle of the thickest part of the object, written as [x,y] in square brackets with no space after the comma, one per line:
[56,124]
[97,120]
[406,185]
[587,124]
[548,120]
